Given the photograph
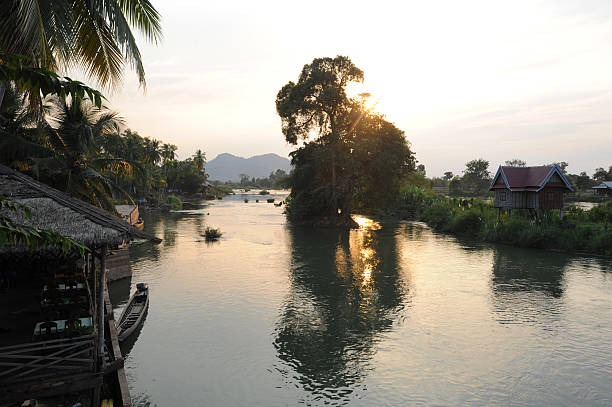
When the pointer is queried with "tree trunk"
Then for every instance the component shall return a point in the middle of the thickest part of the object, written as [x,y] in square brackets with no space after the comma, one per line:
[334,194]
[2,90]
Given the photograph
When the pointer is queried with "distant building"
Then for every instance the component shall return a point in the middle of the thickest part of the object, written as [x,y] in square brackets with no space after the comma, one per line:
[605,188]
[540,187]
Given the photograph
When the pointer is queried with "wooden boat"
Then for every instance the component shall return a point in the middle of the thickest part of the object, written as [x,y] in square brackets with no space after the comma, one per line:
[133,312]
[139,224]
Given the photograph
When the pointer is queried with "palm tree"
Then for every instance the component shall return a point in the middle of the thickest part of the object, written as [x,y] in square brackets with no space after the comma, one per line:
[22,135]
[152,152]
[199,160]
[79,164]
[95,35]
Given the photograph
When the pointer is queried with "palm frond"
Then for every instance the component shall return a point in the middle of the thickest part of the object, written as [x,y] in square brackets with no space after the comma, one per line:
[95,45]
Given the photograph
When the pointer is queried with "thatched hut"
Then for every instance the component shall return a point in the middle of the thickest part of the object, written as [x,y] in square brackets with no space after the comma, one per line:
[28,370]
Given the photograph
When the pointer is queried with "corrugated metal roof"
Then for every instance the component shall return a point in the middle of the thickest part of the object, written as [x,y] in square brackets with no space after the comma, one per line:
[604,185]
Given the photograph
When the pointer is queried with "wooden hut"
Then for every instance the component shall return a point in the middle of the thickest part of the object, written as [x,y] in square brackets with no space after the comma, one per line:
[541,187]
[605,188]
[39,368]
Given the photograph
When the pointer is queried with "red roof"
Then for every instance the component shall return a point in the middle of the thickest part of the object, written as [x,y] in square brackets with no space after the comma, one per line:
[527,178]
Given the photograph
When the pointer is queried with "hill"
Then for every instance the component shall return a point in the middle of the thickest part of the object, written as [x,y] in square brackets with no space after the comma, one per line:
[228,167]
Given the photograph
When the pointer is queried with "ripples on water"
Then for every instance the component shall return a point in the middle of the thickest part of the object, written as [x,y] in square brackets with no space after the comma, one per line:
[388,314]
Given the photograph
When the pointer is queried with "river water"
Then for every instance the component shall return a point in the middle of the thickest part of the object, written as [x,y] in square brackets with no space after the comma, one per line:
[392,314]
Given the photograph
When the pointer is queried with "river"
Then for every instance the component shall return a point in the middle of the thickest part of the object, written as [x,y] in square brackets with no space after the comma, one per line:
[392,314]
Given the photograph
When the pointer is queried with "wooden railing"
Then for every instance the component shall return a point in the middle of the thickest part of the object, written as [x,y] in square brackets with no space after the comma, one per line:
[48,367]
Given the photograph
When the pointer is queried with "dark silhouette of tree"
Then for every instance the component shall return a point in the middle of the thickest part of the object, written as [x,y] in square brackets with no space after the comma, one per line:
[515,162]
[343,149]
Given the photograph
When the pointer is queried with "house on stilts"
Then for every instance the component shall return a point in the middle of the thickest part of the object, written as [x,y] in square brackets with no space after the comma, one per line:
[58,340]
[537,188]
[604,189]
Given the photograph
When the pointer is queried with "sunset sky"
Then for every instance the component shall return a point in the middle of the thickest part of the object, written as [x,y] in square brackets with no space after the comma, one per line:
[464,80]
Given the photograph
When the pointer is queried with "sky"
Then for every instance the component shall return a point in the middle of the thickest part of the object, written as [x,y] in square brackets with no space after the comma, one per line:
[464,80]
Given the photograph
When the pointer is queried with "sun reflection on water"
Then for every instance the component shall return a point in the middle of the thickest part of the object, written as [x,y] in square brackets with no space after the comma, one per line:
[366,223]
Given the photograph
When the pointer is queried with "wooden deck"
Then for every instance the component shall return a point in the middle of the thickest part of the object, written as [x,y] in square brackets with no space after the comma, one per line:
[48,368]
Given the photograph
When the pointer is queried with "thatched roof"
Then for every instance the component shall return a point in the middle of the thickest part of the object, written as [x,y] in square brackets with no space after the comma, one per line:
[56,211]
[125,210]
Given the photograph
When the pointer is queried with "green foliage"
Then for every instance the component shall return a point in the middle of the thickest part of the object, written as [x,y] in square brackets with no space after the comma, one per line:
[175,202]
[454,187]
[212,233]
[43,82]
[354,157]
[580,231]
[185,176]
[515,162]
[94,36]
[476,177]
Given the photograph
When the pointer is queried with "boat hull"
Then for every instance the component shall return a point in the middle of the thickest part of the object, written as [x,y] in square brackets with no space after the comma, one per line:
[132,314]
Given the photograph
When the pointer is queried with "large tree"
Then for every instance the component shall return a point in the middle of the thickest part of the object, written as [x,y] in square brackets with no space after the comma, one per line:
[476,176]
[318,107]
[349,154]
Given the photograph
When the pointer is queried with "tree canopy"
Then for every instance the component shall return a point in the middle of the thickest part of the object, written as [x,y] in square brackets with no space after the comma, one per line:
[351,157]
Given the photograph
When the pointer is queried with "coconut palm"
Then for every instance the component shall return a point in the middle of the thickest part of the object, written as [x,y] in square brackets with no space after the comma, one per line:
[199,160]
[79,165]
[94,35]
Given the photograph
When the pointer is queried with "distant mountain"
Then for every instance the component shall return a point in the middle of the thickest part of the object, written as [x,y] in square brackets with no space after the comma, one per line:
[228,167]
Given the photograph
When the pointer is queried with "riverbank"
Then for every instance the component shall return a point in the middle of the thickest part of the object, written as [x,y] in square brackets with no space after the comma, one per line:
[580,231]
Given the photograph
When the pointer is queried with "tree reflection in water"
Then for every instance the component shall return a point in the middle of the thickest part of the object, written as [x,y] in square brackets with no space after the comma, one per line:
[346,290]
[527,286]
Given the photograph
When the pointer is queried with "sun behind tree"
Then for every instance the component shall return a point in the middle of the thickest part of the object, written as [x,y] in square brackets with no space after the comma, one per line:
[351,157]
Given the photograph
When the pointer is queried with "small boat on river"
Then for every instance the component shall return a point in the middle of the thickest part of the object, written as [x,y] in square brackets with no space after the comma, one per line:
[133,312]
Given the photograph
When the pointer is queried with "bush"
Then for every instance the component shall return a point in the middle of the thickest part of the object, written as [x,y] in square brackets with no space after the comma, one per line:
[263,192]
[212,233]
[467,222]
[175,202]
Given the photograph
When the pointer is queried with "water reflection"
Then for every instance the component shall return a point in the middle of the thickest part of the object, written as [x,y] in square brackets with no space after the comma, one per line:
[345,291]
[119,291]
[527,286]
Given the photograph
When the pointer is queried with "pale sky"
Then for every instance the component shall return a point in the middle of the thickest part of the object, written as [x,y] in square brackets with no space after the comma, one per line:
[463,79]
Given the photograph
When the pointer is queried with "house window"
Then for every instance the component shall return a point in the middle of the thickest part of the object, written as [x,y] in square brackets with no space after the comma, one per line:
[502,196]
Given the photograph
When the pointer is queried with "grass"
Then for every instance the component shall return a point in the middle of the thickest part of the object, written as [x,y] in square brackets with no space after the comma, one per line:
[211,234]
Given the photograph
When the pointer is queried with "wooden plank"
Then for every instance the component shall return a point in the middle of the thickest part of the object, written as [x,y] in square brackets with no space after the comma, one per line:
[25,365]
[51,341]
[124,391]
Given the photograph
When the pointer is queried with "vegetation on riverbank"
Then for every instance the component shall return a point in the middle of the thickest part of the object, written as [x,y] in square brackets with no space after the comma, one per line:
[579,231]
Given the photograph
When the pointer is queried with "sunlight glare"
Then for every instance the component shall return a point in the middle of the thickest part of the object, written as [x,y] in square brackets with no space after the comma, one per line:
[366,223]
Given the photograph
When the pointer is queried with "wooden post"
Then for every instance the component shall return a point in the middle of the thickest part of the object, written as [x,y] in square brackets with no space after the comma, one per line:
[94,292]
[101,310]
[561,214]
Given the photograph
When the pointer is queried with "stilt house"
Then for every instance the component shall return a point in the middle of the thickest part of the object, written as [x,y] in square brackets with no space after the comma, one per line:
[605,188]
[57,333]
[540,187]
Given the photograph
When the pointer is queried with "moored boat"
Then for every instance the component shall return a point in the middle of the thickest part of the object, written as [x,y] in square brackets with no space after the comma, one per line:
[133,312]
